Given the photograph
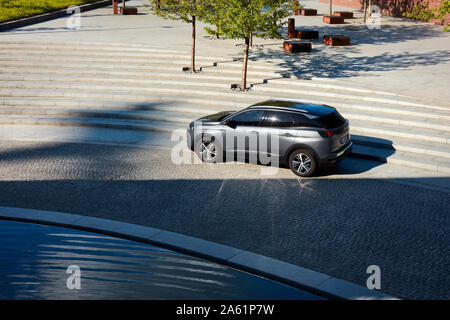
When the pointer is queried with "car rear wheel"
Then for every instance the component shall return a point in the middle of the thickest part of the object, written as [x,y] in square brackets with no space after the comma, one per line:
[303,163]
[207,151]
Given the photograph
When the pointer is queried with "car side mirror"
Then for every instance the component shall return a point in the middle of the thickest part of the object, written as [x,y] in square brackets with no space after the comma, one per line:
[231,124]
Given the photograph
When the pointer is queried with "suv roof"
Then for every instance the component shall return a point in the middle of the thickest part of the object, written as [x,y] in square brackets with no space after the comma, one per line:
[308,108]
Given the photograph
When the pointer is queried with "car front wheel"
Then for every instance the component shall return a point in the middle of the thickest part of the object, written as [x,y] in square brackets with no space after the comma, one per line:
[303,163]
[207,150]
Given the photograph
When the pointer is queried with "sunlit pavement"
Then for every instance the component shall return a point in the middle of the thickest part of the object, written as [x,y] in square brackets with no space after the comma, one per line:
[403,56]
[361,213]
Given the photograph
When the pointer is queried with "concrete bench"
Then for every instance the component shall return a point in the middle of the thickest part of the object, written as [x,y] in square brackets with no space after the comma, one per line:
[333,20]
[308,12]
[129,11]
[307,34]
[292,33]
[297,46]
[336,40]
[344,14]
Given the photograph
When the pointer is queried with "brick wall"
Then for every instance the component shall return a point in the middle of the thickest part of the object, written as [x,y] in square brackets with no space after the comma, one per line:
[394,8]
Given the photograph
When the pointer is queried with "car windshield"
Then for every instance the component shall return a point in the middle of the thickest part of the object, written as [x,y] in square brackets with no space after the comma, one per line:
[218,116]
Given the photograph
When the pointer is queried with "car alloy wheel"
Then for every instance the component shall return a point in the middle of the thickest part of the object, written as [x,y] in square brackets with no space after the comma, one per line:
[302,163]
[208,151]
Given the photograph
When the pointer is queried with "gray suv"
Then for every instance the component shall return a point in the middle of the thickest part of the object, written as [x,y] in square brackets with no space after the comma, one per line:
[301,135]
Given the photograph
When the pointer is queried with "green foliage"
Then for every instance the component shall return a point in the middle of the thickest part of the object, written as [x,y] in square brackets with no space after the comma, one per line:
[296,5]
[238,19]
[184,10]
[18,9]
[424,13]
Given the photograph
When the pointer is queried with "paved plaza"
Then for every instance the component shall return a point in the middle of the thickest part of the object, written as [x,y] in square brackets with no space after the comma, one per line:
[86,121]
[403,56]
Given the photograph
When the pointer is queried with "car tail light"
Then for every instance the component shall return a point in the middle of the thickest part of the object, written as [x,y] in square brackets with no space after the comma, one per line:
[327,133]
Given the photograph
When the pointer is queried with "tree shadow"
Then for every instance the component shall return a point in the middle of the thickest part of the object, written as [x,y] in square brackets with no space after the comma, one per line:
[337,62]
[386,33]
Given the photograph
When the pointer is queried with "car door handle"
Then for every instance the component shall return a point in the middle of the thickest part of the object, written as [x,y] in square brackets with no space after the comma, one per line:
[254,132]
[287,134]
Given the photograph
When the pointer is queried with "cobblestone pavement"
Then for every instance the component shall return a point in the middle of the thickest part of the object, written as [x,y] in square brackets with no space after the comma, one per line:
[338,223]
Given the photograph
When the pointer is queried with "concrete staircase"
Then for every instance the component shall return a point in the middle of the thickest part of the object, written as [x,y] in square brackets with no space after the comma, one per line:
[144,89]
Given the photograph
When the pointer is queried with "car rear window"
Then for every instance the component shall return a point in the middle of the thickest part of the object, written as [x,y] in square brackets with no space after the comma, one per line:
[330,121]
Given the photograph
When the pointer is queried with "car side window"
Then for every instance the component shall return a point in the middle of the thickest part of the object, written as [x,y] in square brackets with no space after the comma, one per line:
[302,121]
[248,118]
[278,119]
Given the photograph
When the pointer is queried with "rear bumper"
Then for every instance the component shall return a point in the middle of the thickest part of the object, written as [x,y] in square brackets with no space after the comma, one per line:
[338,155]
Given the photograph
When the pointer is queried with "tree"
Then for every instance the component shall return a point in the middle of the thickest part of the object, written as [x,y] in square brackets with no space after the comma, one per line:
[243,19]
[212,16]
[188,11]
[365,10]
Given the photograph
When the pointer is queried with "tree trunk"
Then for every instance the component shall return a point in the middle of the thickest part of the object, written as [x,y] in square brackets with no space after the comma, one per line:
[370,8]
[244,68]
[365,10]
[193,45]
[331,7]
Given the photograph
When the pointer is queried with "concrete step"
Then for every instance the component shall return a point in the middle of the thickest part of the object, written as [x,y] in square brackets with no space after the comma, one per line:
[402,145]
[128,124]
[16,106]
[74,45]
[143,59]
[121,92]
[167,56]
[404,120]
[206,88]
[142,64]
[95,135]
[144,71]
[14,74]
[181,79]
[177,113]
[172,115]
[408,120]
[390,131]
[429,163]
[119,48]
[291,90]
[184,104]
[325,83]
[48,74]
[279,85]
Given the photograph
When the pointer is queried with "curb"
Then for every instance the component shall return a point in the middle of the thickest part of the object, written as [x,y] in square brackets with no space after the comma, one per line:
[49,16]
[305,279]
